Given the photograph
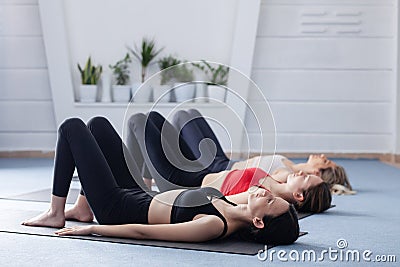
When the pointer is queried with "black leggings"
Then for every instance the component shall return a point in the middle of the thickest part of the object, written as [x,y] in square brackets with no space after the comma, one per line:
[195,130]
[112,186]
[169,159]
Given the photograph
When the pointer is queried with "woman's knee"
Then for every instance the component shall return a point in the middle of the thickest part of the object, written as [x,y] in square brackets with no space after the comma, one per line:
[71,124]
[180,118]
[137,121]
[194,113]
[156,118]
[98,121]
[137,118]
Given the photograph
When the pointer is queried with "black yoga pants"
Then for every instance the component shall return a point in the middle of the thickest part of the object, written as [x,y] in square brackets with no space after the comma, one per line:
[195,130]
[169,160]
[112,186]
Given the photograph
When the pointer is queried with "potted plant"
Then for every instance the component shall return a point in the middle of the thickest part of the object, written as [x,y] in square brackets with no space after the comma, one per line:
[90,77]
[145,55]
[216,79]
[167,78]
[184,88]
[121,86]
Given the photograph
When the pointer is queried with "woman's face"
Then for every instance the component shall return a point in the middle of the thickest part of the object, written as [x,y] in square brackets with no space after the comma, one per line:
[300,181]
[263,202]
[320,162]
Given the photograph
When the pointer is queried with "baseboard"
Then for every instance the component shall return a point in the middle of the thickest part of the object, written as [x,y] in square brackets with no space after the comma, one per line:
[389,158]
[26,154]
[385,157]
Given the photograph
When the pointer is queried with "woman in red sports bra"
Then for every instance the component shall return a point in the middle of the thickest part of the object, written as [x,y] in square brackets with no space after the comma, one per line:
[295,188]
[238,181]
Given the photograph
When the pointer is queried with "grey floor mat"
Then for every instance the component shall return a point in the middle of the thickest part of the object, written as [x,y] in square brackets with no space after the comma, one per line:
[11,223]
[45,196]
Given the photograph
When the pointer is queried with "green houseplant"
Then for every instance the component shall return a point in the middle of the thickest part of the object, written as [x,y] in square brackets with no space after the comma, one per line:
[216,79]
[184,88]
[121,86]
[161,91]
[167,75]
[90,80]
[216,74]
[145,55]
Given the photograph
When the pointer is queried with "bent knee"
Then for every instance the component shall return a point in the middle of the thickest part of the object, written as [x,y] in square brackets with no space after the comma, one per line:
[194,112]
[155,116]
[181,118]
[137,120]
[72,123]
[99,120]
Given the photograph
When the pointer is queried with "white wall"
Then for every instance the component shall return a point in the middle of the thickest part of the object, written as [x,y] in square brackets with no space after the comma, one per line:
[332,87]
[190,30]
[213,30]
[329,71]
[26,109]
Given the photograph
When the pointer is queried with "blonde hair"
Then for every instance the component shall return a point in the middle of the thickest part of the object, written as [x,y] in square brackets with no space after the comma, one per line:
[338,189]
[336,176]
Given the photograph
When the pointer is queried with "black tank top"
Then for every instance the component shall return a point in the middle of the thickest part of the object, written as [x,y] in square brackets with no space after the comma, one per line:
[190,203]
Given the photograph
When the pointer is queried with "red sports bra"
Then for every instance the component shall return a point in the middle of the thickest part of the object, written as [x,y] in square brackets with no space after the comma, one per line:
[238,181]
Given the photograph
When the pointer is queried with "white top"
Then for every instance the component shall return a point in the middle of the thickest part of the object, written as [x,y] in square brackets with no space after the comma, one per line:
[268,163]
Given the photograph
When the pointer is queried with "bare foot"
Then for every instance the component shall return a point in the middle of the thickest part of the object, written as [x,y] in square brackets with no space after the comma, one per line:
[79,214]
[48,219]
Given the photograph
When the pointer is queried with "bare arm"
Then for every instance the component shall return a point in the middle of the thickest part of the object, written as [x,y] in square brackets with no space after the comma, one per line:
[203,229]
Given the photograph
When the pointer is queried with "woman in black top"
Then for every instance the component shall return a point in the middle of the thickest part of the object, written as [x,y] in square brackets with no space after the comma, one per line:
[124,209]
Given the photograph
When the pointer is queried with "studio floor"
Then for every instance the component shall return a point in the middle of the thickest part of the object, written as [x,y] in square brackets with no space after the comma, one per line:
[367,224]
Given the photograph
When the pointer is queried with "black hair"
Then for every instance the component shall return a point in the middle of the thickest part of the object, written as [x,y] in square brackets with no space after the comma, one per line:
[280,230]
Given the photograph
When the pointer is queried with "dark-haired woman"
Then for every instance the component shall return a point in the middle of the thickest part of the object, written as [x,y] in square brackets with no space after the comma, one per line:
[172,164]
[124,209]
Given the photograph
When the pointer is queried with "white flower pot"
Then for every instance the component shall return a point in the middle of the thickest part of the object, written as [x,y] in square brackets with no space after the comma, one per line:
[184,92]
[106,89]
[216,93]
[121,93]
[201,93]
[140,94]
[161,93]
[88,93]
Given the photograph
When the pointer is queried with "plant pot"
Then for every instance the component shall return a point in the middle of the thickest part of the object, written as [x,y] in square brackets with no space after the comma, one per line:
[201,93]
[140,94]
[121,93]
[106,94]
[184,92]
[161,93]
[88,93]
[216,93]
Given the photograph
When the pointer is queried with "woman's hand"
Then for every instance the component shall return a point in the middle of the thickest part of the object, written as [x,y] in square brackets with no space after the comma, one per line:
[76,230]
